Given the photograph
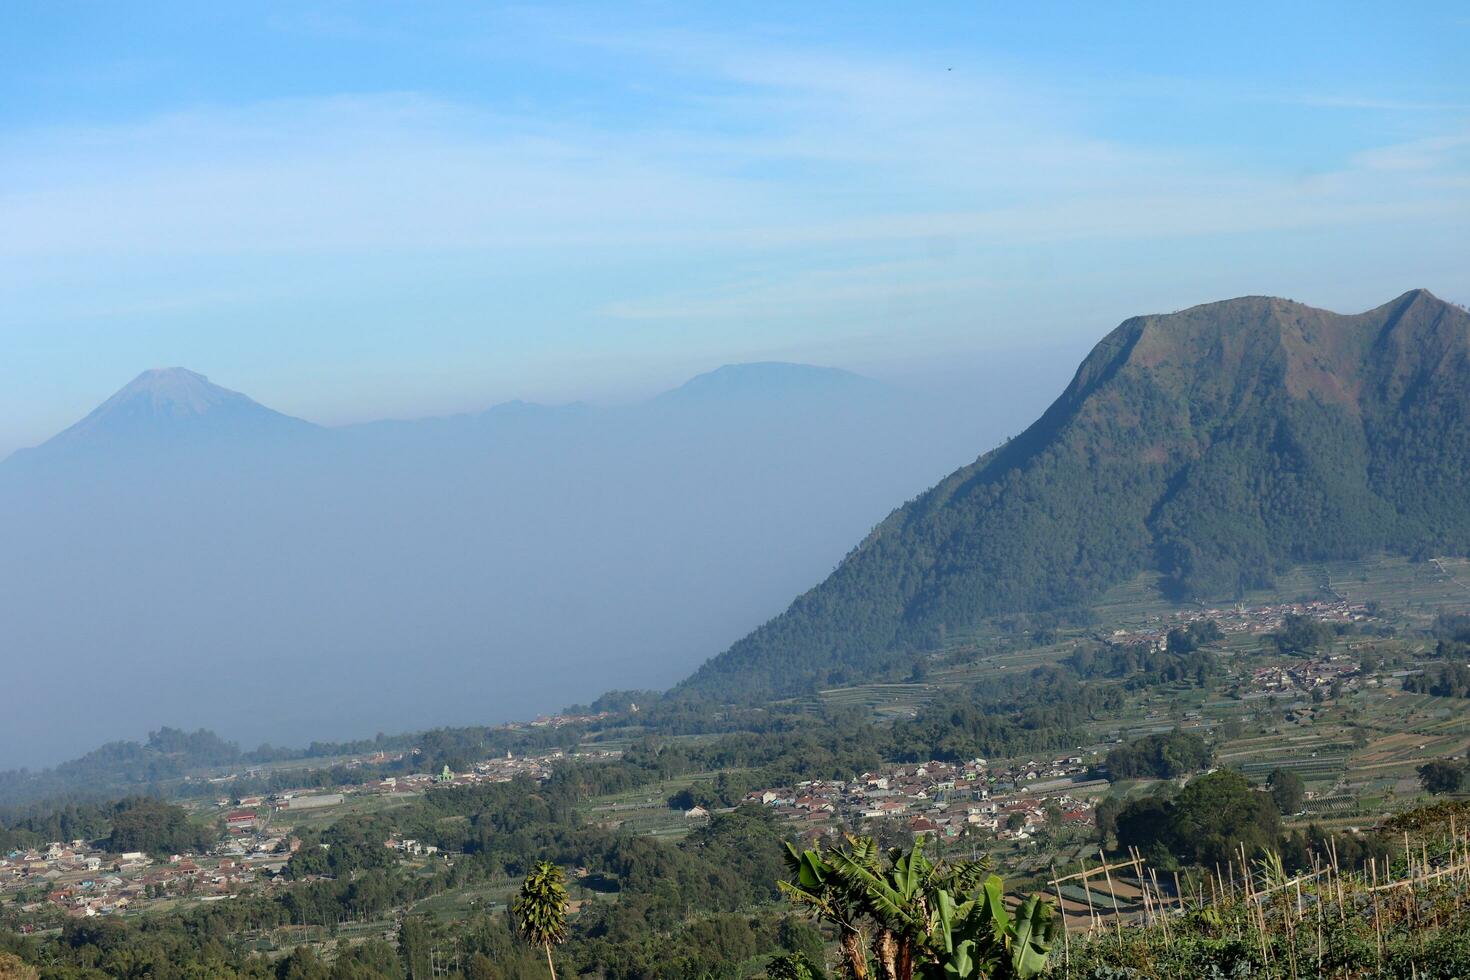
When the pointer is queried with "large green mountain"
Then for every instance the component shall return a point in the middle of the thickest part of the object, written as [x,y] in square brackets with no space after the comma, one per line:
[1217,446]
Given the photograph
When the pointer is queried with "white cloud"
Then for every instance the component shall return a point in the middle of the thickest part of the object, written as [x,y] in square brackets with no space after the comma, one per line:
[1436,154]
[771,152]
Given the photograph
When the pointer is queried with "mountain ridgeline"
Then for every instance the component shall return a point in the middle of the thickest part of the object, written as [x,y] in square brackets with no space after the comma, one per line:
[1215,446]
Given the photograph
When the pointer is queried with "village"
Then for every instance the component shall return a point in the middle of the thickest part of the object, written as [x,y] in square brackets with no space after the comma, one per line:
[943,799]
[80,879]
[1015,802]
[1314,674]
[1241,619]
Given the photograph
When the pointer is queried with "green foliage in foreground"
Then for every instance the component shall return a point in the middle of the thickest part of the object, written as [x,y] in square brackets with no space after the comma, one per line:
[926,919]
[540,909]
[1403,916]
[1223,946]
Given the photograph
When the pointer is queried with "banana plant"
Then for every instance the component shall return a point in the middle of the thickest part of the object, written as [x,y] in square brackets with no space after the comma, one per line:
[920,925]
[819,890]
[979,938]
[901,896]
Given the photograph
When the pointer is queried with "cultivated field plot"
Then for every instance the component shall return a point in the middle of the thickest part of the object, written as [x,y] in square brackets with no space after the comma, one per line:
[646,809]
[894,700]
[359,804]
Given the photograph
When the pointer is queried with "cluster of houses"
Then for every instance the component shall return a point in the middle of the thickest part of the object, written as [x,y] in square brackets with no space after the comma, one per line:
[407,845]
[1305,675]
[944,799]
[498,770]
[254,814]
[78,881]
[561,721]
[1240,619]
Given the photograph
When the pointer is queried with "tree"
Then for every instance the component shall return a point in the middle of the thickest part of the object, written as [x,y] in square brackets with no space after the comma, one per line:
[415,946]
[1106,815]
[1303,636]
[1162,756]
[1287,789]
[819,890]
[481,967]
[1207,822]
[1440,776]
[1144,823]
[12,967]
[541,909]
[1218,812]
[303,964]
[794,966]
[145,824]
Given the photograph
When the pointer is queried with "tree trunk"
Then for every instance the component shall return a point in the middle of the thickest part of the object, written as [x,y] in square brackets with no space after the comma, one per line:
[855,955]
[885,950]
[549,965]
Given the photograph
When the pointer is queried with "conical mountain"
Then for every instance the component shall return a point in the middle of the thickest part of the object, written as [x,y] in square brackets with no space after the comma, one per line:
[1217,446]
[166,406]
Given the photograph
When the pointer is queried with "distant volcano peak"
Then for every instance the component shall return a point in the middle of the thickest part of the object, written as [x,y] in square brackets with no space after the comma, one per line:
[166,404]
[180,390]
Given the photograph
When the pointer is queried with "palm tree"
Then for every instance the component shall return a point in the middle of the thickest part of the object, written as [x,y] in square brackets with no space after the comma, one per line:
[541,909]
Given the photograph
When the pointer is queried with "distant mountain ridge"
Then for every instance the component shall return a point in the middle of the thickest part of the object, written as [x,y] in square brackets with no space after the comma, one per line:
[1214,445]
[175,403]
[763,379]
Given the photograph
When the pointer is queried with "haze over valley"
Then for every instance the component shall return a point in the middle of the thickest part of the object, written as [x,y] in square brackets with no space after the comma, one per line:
[197,559]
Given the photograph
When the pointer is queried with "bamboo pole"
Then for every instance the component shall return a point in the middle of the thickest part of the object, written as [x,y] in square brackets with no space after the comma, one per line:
[1259,917]
[1159,899]
[1117,915]
[1320,914]
[1087,892]
[1377,924]
[1062,911]
[1087,873]
[1337,873]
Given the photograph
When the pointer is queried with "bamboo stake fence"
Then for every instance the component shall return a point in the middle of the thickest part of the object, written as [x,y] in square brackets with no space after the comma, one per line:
[1424,887]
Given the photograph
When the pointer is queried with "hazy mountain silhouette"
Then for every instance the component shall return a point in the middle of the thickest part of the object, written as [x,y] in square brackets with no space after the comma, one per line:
[1217,446]
[762,381]
[168,405]
[186,556]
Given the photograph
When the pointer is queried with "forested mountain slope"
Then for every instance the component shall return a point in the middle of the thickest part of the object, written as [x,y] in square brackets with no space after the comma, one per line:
[1216,445]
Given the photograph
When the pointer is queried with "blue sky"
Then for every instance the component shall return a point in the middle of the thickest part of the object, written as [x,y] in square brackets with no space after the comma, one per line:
[358,210]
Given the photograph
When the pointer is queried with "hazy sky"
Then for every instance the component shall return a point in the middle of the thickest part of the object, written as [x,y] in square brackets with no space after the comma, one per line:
[358,210]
